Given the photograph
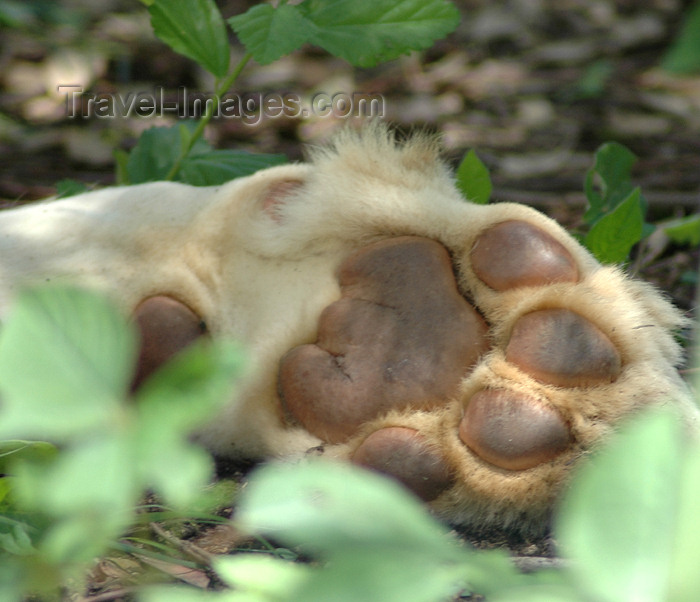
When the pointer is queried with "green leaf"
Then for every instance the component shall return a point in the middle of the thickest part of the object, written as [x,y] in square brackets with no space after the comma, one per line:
[157,150]
[264,576]
[331,506]
[174,593]
[369,32]
[684,54]
[195,29]
[66,356]
[68,187]
[684,580]
[183,394]
[100,468]
[11,580]
[685,230]
[539,593]
[15,449]
[617,522]
[608,183]
[121,160]
[17,541]
[612,237]
[220,166]
[379,541]
[269,33]
[473,179]
[363,32]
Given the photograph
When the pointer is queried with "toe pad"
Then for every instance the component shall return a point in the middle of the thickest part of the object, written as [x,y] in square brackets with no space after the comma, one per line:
[515,253]
[166,327]
[512,431]
[560,347]
[402,453]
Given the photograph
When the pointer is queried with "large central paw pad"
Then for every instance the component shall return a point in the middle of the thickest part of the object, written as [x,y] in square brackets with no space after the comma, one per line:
[400,336]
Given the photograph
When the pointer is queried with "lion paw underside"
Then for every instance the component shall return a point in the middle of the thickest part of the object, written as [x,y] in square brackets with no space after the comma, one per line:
[474,378]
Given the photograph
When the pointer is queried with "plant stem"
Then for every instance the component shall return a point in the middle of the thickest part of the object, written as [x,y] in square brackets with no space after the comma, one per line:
[221,87]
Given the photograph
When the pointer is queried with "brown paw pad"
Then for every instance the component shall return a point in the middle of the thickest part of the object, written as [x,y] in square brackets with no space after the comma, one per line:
[514,253]
[512,431]
[400,336]
[560,347]
[166,326]
[402,453]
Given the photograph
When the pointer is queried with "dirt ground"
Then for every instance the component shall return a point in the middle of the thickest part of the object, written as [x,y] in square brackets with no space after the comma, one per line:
[534,86]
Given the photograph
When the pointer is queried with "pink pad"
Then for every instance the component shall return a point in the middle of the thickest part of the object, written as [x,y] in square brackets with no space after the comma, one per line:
[514,253]
[560,347]
[275,197]
[166,327]
[512,431]
[402,453]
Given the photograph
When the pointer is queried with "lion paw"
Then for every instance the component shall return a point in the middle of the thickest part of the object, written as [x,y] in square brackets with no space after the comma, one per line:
[474,376]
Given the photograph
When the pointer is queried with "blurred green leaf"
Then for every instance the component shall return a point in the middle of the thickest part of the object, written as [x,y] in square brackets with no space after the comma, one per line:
[68,187]
[683,56]
[617,523]
[14,536]
[184,393]
[15,449]
[17,14]
[332,506]
[685,230]
[684,579]
[195,29]
[101,469]
[536,592]
[65,360]
[264,577]
[379,541]
[219,166]
[473,179]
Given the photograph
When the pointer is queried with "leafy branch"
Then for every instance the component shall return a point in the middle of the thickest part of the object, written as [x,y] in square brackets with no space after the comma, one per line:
[362,32]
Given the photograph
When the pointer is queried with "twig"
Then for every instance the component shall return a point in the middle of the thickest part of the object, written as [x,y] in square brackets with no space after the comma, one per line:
[192,550]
